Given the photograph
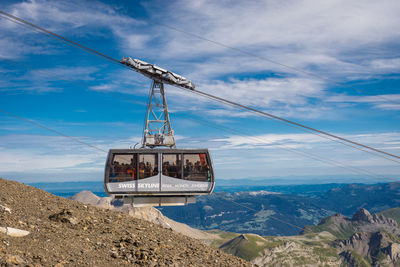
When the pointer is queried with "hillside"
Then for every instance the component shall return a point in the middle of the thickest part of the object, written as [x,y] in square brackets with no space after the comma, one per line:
[221,211]
[365,239]
[375,198]
[301,250]
[150,214]
[66,232]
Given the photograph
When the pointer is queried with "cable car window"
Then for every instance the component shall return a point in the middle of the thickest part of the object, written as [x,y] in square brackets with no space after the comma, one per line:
[172,165]
[148,165]
[123,168]
[196,167]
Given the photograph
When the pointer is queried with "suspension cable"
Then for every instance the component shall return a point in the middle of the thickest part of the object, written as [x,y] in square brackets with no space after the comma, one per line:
[247,53]
[284,147]
[52,130]
[344,142]
[115,61]
[231,130]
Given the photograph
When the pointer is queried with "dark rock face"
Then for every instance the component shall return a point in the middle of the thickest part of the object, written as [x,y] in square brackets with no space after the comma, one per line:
[376,238]
[365,238]
[379,247]
[362,215]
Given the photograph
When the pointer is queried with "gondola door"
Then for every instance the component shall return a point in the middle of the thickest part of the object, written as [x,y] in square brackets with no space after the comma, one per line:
[148,174]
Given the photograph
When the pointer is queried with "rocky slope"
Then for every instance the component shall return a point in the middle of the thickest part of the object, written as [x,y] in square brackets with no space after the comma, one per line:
[64,232]
[150,214]
[363,240]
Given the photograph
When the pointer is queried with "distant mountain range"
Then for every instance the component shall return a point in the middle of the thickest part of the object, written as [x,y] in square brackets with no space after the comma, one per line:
[68,189]
[269,213]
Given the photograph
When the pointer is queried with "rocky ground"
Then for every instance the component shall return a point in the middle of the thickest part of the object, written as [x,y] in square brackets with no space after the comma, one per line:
[64,232]
[150,214]
[364,240]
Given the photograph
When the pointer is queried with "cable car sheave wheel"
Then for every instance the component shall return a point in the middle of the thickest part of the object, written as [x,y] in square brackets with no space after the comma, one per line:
[152,175]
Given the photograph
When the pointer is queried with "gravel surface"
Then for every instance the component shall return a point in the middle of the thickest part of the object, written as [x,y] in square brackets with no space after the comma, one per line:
[64,232]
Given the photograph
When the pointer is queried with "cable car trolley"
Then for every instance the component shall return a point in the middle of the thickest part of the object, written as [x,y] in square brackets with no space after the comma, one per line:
[158,173]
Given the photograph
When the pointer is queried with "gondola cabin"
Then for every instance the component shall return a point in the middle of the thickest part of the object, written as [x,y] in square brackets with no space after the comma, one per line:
[158,176]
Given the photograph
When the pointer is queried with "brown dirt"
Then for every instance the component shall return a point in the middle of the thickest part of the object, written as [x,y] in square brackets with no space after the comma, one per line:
[64,232]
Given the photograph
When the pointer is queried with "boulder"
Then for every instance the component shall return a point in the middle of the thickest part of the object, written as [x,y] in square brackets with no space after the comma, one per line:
[65,216]
[5,208]
[14,232]
[86,197]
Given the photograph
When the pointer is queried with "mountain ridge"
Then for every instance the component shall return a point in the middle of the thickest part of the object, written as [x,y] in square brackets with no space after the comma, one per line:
[364,239]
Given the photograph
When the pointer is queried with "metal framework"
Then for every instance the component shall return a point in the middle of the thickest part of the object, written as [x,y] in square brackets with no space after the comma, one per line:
[158,131]
[157,74]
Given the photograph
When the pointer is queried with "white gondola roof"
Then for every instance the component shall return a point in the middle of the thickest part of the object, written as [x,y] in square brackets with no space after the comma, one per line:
[156,73]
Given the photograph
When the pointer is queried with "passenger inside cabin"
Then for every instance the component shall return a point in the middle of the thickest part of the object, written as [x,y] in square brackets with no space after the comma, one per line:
[142,168]
[148,170]
[165,169]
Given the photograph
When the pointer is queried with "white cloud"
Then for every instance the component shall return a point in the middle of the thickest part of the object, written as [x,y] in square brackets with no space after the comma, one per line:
[274,155]
[44,80]
[385,102]
[391,64]
[334,39]
[264,92]
[72,18]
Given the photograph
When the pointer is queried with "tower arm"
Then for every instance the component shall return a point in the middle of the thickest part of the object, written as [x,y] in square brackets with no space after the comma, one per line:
[156,73]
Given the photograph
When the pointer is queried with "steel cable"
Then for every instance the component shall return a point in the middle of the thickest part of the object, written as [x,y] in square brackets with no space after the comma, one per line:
[314,130]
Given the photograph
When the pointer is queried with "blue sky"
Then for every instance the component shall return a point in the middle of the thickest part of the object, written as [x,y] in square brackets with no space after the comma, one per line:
[351,48]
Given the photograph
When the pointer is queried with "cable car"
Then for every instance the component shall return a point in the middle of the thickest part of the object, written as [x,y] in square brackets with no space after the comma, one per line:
[158,173]
[159,176]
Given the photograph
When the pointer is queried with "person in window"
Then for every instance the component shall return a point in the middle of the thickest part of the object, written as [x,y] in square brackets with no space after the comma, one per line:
[197,167]
[129,171]
[166,168]
[187,166]
[117,169]
[141,170]
[172,170]
[155,170]
[149,170]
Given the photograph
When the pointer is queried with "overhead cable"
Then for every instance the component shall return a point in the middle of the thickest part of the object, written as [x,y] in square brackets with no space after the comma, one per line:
[227,129]
[52,130]
[244,52]
[75,44]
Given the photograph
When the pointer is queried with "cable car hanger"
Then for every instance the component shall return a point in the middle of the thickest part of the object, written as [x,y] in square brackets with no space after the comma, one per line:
[158,173]
[158,131]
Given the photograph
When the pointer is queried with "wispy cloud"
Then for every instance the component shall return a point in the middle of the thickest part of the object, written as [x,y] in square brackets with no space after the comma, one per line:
[386,102]
[340,43]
